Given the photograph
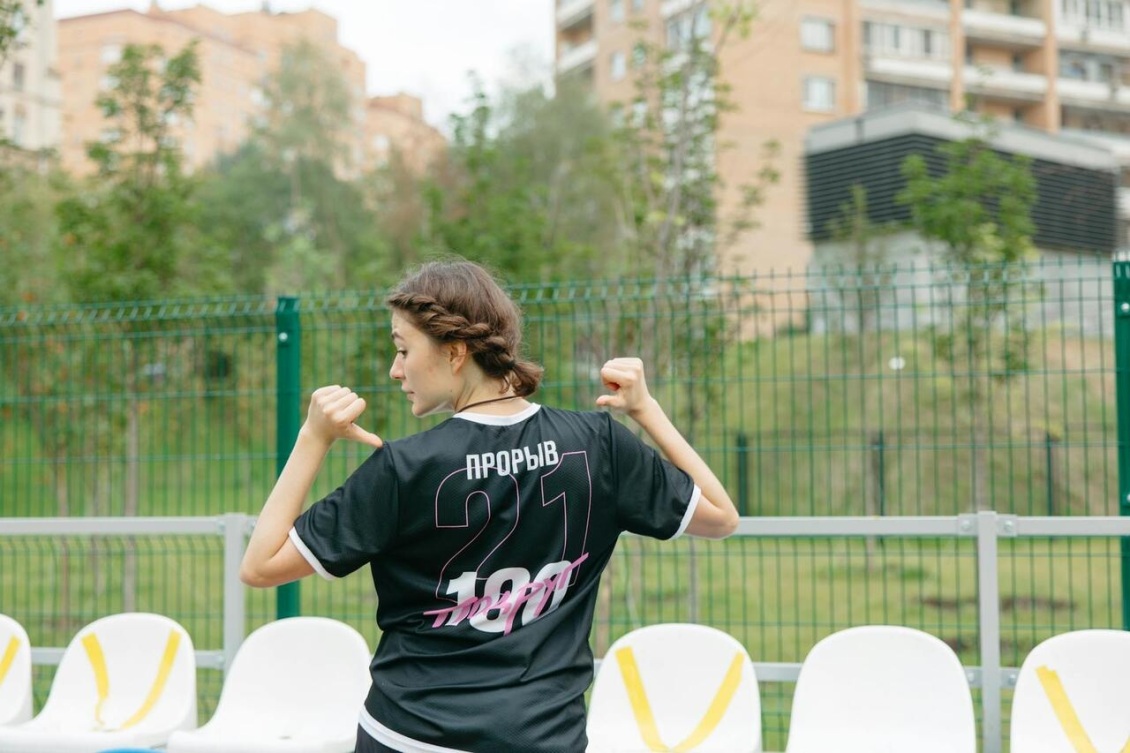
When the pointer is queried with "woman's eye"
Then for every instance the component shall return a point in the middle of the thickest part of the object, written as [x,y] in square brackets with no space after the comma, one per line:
[402,352]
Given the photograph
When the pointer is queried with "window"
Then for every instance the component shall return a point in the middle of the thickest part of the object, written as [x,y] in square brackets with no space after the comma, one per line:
[1098,14]
[619,67]
[616,10]
[880,95]
[111,53]
[819,94]
[19,125]
[684,28]
[639,55]
[905,41]
[637,5]
[817,35]
[639,112]
[19,74]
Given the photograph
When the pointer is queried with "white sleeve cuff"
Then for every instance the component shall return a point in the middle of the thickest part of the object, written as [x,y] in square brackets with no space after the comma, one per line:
[696,495]
[309,556]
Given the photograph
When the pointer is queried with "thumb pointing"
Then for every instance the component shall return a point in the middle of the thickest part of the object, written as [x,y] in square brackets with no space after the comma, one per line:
[357,434]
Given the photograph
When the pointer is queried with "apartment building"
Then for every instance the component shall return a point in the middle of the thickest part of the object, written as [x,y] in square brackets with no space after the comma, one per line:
[1060,66]
[30,106]
[395,124]
[237,53]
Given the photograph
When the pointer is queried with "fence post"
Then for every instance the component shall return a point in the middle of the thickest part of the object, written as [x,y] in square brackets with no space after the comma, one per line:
[288,341]
[233,525]
[988,609]
[743,473]
[1122,401]
[1050,442]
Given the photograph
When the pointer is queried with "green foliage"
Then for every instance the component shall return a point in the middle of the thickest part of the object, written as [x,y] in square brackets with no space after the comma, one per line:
[525,189]
[863,282]
[308,112]
[14,18]
[669,150]
[28,230]
[979,210]
[281,213]
[128,234]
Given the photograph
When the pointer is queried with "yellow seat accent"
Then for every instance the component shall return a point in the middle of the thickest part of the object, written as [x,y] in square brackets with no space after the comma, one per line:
[9,657]
[1065,712]
[645,718]
[102,678]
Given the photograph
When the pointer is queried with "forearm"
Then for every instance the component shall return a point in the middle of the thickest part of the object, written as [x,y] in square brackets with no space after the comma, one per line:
[722,516]
[285,502]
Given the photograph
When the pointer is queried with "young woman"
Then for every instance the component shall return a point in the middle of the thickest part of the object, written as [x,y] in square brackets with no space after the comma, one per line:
[486,535]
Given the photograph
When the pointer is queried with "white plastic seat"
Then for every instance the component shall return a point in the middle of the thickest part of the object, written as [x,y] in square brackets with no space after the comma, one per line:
[15,672]
[675,687]
[1072,688]
[127,680]
[882,689]
[295,686]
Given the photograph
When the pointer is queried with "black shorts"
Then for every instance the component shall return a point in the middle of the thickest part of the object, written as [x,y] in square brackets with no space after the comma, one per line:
[366,744]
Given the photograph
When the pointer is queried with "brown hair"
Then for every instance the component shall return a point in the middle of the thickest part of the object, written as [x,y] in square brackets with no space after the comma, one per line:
[454,301]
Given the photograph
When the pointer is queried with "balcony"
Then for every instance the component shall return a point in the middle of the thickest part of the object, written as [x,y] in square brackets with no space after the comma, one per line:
[1073,91]
[1094,95]
[909,71]
[934,10]
[1003,28]
[674,7]
[576,57]
[1075,33]
[572,13]
[1005,83]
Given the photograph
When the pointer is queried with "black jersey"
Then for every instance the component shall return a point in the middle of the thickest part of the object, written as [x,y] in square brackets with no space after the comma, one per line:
[486,537]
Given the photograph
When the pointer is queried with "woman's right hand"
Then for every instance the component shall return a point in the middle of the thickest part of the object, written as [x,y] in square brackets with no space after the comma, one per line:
[625,378]
[332,413]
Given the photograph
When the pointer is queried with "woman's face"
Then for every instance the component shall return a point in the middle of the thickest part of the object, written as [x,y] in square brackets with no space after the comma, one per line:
[423,368]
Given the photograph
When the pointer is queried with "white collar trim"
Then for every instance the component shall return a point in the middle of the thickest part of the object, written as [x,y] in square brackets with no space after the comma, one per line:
[491,420]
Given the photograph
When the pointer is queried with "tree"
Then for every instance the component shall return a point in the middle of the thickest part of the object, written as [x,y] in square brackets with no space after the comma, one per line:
[30,228]
[670,182]
[129,235]
[284,209]
[526,187]
[864,279]
[15,16]
[979,211]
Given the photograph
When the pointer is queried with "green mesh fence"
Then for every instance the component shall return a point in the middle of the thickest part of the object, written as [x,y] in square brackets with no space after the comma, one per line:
[897,390]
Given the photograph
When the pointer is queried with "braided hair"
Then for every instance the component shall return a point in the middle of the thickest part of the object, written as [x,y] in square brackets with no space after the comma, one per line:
[459,301]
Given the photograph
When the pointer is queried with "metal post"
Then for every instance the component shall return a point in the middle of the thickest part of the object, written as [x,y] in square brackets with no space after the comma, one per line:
[233,525]
[743,474]
[988,608]
[288,334]
[1049,462]
[1122,401]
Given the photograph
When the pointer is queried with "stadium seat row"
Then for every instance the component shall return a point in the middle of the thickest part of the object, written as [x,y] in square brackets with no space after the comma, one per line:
[129,681]
[869,689]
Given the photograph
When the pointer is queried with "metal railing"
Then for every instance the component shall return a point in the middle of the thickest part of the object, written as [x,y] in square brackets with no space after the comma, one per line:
[987,529]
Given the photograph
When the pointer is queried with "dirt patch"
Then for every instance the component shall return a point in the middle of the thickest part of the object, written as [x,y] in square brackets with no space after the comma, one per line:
[1008,603]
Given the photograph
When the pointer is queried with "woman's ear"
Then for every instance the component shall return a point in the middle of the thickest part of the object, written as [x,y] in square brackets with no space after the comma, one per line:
[457,355]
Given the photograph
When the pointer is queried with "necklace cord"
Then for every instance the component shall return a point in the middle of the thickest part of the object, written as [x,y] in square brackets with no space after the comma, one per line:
[484,402]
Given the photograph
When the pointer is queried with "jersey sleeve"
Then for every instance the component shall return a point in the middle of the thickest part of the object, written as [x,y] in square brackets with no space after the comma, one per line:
[654,498]
[354,523]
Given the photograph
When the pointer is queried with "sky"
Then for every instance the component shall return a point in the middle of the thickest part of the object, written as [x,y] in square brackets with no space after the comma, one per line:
[422,47]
